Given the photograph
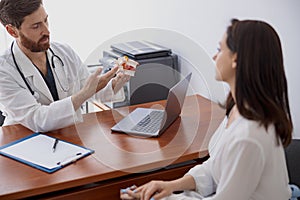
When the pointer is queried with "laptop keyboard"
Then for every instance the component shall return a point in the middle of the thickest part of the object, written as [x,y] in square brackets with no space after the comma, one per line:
[151,123]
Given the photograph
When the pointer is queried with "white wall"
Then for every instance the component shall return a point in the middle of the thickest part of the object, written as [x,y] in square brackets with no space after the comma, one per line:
[86,24]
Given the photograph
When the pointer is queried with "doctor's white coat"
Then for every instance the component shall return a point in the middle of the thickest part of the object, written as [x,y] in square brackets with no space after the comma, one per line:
[39,112]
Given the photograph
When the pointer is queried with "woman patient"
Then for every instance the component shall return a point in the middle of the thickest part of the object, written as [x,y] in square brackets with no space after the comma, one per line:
[247,151]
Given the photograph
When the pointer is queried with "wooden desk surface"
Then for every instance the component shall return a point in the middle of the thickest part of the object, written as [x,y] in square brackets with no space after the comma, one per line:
[115,154]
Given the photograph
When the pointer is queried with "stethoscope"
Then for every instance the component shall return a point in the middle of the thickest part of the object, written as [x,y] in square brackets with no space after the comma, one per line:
[54,56]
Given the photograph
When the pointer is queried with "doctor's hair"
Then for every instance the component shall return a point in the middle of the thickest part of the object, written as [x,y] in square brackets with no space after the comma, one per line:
[261,87]
[13,11]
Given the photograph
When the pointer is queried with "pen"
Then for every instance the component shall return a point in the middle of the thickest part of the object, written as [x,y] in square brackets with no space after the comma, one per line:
[70,160]
[54,145]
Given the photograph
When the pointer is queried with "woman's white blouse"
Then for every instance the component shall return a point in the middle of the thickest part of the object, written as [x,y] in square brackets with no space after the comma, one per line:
[245,163]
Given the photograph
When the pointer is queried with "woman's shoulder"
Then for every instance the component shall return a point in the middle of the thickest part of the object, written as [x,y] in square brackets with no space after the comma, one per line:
[255,132]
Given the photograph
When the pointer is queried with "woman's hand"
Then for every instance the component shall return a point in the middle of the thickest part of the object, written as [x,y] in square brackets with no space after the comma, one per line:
[153,190]
[129,194]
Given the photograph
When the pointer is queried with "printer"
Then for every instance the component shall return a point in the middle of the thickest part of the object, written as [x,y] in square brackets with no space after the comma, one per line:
[156,73]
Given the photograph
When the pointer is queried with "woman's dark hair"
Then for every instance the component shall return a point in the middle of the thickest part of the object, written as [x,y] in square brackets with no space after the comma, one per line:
[13,11]
[261,87]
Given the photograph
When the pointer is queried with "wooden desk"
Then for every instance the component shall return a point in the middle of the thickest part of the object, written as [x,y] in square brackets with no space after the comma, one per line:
[119,160]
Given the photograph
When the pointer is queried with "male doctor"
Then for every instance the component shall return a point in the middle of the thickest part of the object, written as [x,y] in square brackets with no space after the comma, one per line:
[43,84]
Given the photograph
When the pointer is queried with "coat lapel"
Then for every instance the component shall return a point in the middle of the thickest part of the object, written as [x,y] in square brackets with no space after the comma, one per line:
[31,73]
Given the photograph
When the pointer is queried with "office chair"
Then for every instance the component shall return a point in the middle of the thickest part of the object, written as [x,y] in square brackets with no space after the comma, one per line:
[292,153]
[1,118]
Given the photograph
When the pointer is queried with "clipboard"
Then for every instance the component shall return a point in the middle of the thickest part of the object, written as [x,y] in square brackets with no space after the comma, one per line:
[36,150]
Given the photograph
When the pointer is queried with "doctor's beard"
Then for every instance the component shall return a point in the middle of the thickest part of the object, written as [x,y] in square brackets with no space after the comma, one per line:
[34,46]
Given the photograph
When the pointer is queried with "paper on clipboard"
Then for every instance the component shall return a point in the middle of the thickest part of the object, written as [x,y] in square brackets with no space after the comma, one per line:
[36,150]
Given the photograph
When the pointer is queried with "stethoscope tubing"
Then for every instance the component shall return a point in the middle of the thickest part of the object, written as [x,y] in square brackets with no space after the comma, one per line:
[18,68]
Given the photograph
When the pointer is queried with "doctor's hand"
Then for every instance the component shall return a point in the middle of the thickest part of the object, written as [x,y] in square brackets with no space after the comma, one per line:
[105,78]
[94,83]
[119,81]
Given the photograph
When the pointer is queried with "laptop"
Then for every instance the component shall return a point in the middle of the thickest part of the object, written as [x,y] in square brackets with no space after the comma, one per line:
[149,122]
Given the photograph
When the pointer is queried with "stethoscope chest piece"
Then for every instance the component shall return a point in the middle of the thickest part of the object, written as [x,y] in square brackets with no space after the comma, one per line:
[60,74]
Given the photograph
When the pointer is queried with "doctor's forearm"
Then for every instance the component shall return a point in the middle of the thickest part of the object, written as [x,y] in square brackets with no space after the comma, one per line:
[78,99]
